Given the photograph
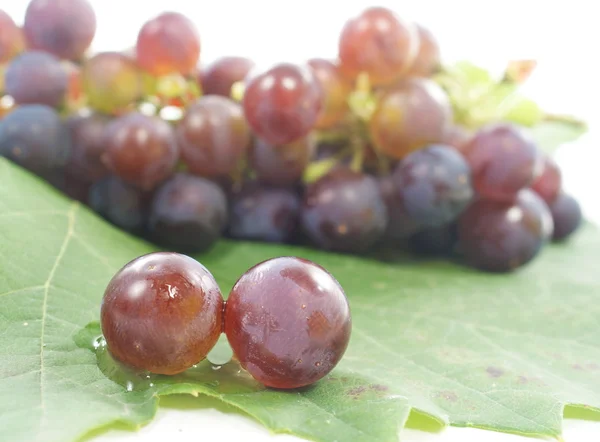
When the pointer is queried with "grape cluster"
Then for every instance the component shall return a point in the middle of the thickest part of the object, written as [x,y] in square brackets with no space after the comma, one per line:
[352,154]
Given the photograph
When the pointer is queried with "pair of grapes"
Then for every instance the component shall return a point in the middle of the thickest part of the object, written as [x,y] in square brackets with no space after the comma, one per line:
[287,319]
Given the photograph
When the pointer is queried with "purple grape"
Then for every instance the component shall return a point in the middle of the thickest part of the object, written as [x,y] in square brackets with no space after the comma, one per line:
[88,146]
[400,225]
[567,216]
[281,165]
[439,240]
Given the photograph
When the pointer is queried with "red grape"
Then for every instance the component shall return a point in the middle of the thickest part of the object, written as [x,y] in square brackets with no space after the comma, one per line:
[567,216]
[549,184]
[141,150]
[213,136]
[411,115]
[11,38]
[500,236]
[288,322]
[218,77]
[35,77]
[64,28]
[283,103]
[457,137]
[88,146]
[400,225]
[378,43]
[162,313]
[111,81]
[281,165]
[335,88]
[503,160]
[427,61]
[168,44]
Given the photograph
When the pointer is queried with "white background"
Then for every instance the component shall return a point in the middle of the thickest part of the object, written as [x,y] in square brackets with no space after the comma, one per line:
[563,36]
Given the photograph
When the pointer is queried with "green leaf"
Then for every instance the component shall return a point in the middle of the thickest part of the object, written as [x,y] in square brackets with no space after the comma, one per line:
[551,134]
[504,352]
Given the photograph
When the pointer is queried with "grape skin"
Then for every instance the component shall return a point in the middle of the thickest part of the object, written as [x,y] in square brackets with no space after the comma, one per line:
[64,28]
[11,39]
[409,116]
[567,216]
[281,165]
[162,313]
[88,146]
[283,103]
[335,88]
[213,136]
[500,236]
[435,241]
[188,213]
[35,77]
[549,184]
[288,322]
[344,211]
[218,77]
[141,150]
[427,61]
[400,225]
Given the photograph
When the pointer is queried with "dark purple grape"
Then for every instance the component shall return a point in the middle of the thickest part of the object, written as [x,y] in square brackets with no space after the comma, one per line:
[344,211]
[64,28]
[264,214]
[88,146]
[281,165]
[503,160]
[440,240]
[120,203]
[567,216]
[218,77]
[288,322]
[213,136]
[501,236]
[35,77]
[34,137]
[141,150]
[549,184]
[162,313]
[434,184]
[400,225]
[188,213]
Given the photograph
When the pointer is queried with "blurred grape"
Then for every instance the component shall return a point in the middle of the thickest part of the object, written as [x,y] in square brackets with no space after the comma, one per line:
[218,77]
[335,89]
[11,38]
[88,146]
[281,165]
[427,61]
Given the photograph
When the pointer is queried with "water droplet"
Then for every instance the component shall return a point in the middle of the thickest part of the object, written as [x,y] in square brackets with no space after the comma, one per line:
[129,386]
[318,364]
[216,367]
[99,342]
[26,324]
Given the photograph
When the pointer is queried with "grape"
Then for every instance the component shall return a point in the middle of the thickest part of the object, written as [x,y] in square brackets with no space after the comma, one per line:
[111,81]
[501,236]
[400,225]
[168,44]
[87,139]
[264,214]
[283,103]
[64,28]
[503,161]
[213,136]
[162,313]
[435,185]
[378,43]
[335,88]
[141,150]
[549,183]
[567,216]
[11,39]
[281,165]
[457,137]
[427,61]
[411,115]
[71,185]
[188,213]
[218,77]
[35,77]
[120,203]
[439,240]
[288,322]
[34,137]
[344,211]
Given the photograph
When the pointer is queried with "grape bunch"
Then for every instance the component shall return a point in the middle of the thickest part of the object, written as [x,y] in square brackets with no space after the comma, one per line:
[365,151]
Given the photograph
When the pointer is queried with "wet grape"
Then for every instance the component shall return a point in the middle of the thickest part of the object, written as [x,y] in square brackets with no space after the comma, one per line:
[168,44]
[503,161]
[213,136]
[500,236]
[64,28]
[283,103]
[567,216]
[288,322]
[281,165]
[11,38]
[378,43]
[336,89]
[411,115]
[34,137]
[141,150]
[549,184]
[427,61]
[111,81]
[188,213]
[87,146]
[435,185]
[35,77]
[263,213]
[344,211]
[218,77]
[162,313]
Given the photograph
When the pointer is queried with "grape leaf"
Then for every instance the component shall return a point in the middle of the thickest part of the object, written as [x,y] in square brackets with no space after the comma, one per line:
[469,349]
